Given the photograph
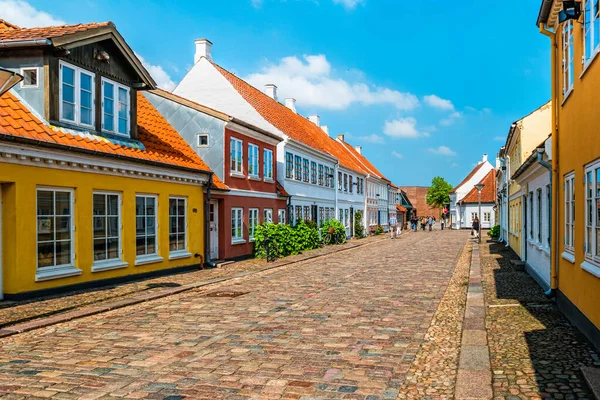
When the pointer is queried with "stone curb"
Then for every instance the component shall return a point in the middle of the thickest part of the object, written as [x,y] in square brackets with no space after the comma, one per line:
[93,310]
[474,377]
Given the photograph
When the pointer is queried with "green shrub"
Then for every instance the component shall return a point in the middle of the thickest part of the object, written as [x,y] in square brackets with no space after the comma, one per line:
[494,232]
[379,230]
[336,228]
[359,229]
[289,240]
[307,235]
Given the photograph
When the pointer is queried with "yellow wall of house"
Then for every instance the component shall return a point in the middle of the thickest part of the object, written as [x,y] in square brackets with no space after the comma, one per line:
[19,255]
[515,225]
[578,145]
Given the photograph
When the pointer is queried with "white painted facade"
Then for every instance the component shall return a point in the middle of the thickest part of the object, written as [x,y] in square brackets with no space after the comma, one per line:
[349,200]
[469,211]
[502,182]
[376,203]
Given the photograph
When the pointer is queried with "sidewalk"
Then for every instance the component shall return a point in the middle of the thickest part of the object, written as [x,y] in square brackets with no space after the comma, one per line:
[116,296]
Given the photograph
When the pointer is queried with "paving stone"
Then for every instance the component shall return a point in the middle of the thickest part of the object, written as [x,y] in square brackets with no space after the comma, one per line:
[473,384]
[474,357]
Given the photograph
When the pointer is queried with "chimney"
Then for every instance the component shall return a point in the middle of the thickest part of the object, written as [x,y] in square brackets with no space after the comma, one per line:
[341,137]
[325,129]
[203,49]
[484,158]
[271,90]
[290,103]
[497,162]
[315,119]
[358,149]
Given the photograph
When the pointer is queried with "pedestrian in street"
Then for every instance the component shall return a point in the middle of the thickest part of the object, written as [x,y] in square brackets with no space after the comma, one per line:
[430,223]
[423,223]
[413,223]
[442,222]
[475,228]
[393,223]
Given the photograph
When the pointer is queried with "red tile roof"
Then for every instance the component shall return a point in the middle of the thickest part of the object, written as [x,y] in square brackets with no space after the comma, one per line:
[473,172]
[488,193]
[400,208]
[365,164]
[9,31]
[161,143]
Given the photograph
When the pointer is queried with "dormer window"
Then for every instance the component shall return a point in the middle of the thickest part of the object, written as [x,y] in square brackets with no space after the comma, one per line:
[76,95]
[115,107]
[30,77]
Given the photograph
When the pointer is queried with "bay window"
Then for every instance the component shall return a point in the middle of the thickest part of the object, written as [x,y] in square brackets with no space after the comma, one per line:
[76,93]
[268,164]
[253,160]
[115,107]
[236,156]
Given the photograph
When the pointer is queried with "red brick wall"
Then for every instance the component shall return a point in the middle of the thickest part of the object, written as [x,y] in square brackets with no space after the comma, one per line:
[418,197]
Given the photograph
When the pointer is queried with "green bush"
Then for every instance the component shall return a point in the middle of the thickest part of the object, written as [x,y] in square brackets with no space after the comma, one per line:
[359,229]
[336,228]
[494,232]
[379,230]
[289,240]
[307,235]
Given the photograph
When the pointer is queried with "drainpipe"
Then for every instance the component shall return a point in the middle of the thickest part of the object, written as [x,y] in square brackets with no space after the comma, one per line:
[336,185]
[207,263]
[508,202]
[555,137]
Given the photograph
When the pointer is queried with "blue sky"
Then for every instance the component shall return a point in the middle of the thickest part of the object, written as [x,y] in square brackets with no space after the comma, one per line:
[425,90]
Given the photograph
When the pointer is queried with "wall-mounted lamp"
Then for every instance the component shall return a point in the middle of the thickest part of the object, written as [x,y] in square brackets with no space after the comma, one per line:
[101,55]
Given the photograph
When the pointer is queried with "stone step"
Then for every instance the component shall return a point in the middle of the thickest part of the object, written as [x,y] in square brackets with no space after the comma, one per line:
[592,378]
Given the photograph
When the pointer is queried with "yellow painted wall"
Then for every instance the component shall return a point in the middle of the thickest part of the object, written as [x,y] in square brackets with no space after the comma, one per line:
[19,256]
[515,225]
[578,145]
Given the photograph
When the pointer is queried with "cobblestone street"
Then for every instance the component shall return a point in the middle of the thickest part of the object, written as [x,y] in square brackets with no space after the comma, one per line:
[347,325]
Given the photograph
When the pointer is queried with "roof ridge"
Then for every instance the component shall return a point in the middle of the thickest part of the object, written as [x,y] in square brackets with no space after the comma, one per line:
[8,26]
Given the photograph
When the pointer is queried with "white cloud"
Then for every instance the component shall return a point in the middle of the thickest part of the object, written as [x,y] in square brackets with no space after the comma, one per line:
[373,138]
[437,102]
[311,82]
[23,14]
[349,4]
[397,155]
[454,165]
[451,119]
[401,128]
[442,151]
[162,78]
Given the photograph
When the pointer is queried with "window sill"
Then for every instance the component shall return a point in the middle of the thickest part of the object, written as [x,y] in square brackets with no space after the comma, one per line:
[149,260]
[254,178]
[237,175]
[566,96]
[56,273]
[238,241]
[589,62]
[591,268]
[176,255]
[269,180]
[570,257]
[109,265]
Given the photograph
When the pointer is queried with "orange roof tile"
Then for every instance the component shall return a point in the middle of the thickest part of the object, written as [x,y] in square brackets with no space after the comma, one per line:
[488,193]
[367,166]
[13,32]
[160,142]
[400,208]
[473,172]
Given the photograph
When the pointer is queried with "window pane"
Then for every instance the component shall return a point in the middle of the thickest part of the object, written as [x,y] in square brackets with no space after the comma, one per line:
[123,96]
[180,207]
[45,254]
[140,226]
[68,111]
[172,242]
[86,116]
[99,249]
[140,246]
[45,202]
[113,205]
[86,82]
[113,248]
[63,228]
[99,204]
[180,224]
[45,229]
[99,227]
[140,205]
[151,245]
[63,252]
[68,75]
[150,206]
[68,93]
[113,226]
[150,225]
[181,242]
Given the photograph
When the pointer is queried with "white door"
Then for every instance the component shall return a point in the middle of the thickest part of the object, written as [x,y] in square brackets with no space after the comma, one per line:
[213,215]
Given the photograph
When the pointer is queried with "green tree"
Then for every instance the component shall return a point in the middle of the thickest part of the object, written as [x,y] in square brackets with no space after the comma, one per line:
[439,192]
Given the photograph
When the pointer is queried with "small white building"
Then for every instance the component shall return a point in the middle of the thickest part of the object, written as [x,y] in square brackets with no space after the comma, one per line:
[464,198]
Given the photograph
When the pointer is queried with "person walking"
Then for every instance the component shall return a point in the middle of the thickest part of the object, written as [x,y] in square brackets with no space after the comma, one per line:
[475,228]
[430,223]
[423,223]
[393,223]
[413,223]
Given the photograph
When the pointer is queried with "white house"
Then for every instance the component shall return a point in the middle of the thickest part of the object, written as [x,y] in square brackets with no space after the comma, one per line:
[462,209]
[534,177]
[502,183]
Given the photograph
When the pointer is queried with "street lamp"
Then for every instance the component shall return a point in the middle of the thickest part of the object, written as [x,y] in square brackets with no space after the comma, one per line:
[8,79]
[479,188]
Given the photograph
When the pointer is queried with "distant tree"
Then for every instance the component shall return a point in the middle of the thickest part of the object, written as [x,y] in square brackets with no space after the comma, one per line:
[439,192]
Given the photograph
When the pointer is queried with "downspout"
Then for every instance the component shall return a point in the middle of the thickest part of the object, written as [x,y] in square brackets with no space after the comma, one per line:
[207,261]
[336,185]
[508,202]
[554,238]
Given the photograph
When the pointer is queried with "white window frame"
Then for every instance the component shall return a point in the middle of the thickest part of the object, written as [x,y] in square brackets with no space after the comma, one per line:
[592,252]
[237,218]
[151,257]
[253,160]
[487,216]
[268,165]
[268,215]
[61,270]
[540,213]
[37,77]
[115,110]
[176,254]
[589,31]
[110,263]
[568,60]
[569,202]
[473,215]
[198,136]
[281,216]
[253,222]
[77,99]
[236,146]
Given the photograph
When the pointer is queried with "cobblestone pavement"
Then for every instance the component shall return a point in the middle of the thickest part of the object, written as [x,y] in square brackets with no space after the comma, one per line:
[14,312]
[535,352]
[343,326]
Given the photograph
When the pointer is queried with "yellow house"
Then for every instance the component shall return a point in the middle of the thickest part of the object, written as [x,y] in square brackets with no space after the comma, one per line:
[95,185]
[574,45]
[523,139]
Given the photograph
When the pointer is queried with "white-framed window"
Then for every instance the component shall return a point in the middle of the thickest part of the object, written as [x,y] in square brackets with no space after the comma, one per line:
[591,29]
[531,216]
[202,140]
[237,225]
[253,160]
[281,216]
[268,215]
[115,108]
[268,164]
[569,211]
[307,213]
[146,225]
[55,228]
[106,222]
[30,77]
[313,172]
[177,225]
[298,168]
[540,213]
[340,182]
[76,93]
[487,217]
[473,216]
[305,170]
[548,215]
[321,175]
[592,215]
[236,155]
[346,218]
[345,182]
[350,183]
[341,215]
[289,165]
[252,222]
[568,57]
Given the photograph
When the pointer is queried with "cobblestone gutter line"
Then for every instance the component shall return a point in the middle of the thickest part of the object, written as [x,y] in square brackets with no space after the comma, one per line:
[474,377]
[136,298]
[433,373]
